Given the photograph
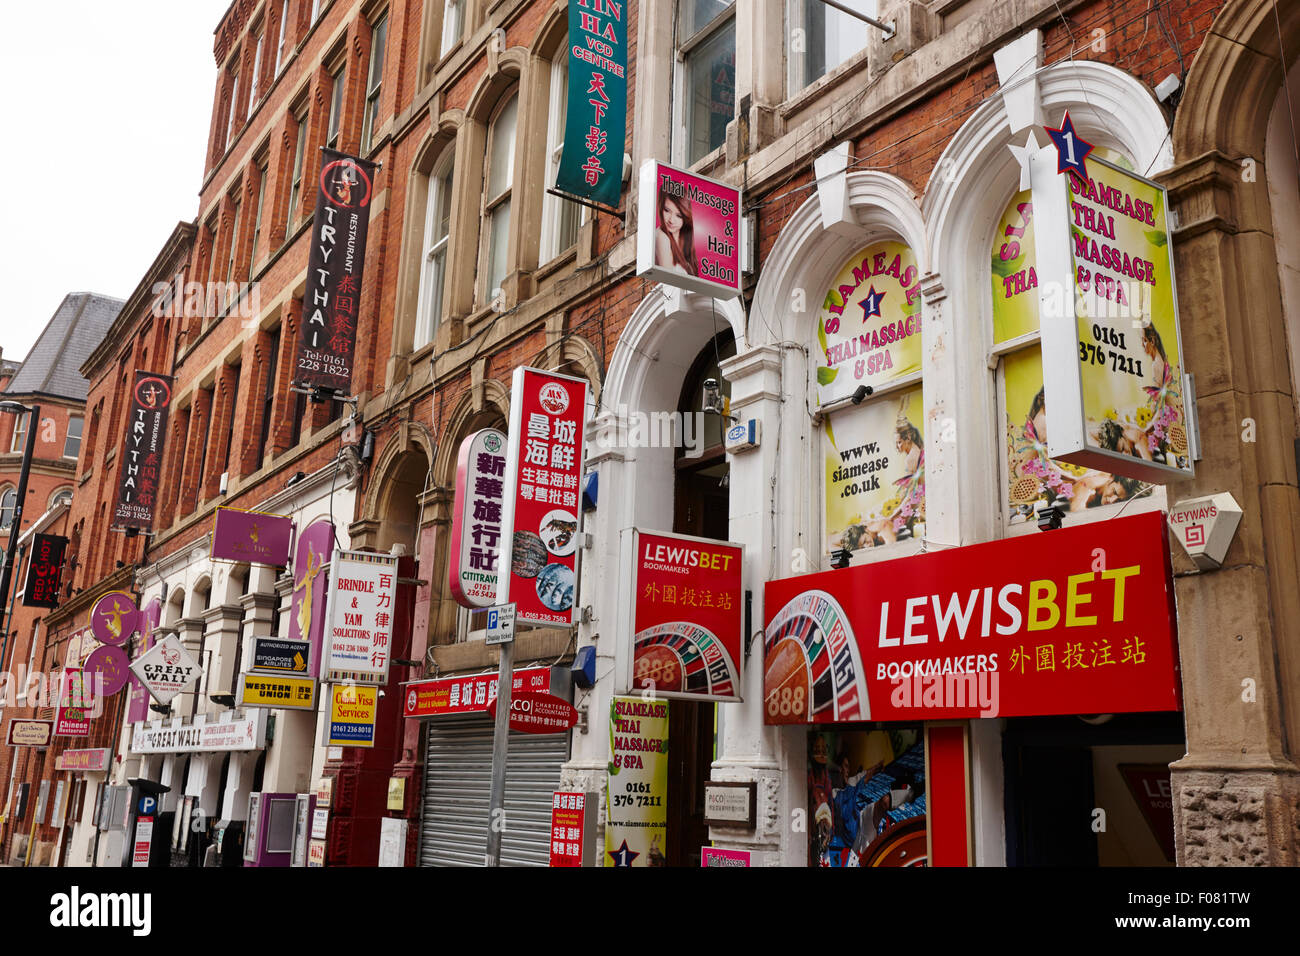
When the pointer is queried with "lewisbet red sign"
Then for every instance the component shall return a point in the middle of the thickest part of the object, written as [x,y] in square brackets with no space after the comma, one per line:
[1074,621]
[467,695]
[537,713]
[687,611]
[537,569]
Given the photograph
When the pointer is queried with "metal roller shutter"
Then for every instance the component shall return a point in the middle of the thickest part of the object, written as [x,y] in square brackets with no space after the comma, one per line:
[457,782]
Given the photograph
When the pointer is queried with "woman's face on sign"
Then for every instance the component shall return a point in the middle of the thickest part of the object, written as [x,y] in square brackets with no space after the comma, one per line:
[672,217]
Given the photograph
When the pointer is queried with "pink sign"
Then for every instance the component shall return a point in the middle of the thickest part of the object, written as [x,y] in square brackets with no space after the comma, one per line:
[112,664]
[310,586]
[91,761]
[712,856]
[252,536]
[72,719]
[114,618]
[138,701]
[476,518]
[690,231]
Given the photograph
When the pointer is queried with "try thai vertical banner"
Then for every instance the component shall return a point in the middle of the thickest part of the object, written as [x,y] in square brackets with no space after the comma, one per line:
[146,433]
[595,126]
[537,569]
[254,536]
[327,338]
[688,231]
[686,612]
[45,571]
[476,518]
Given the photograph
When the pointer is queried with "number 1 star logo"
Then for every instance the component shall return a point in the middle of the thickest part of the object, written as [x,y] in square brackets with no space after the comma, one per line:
[871,304]
[623,856]
[1071,150]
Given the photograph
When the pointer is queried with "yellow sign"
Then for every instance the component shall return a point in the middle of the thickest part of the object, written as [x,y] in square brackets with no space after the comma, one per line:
[636,832]
[396,793]
[352,716]
[266,690]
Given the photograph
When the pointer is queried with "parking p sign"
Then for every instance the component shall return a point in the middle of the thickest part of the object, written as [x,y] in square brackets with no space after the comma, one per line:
[500,624]
[148,805]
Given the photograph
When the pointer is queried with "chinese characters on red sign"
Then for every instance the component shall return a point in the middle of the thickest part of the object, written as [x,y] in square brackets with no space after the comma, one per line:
[538,564]
[568,826]
[466,695]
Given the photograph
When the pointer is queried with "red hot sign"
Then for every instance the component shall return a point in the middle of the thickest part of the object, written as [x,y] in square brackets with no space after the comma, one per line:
[45,571]
[538,566]
[141,466]
[328,331]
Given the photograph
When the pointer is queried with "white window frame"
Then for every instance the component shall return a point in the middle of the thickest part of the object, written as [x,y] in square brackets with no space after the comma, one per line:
[796,62]
[492,205]
[230,113]
[257,69]
[316,6]
[295,187]
[453,24]
[554,209]
[81,429]
[279,41]
[261,169]
[429,307]
[684,49]
[374,87]
[334,124]
[20,431]
[5,491]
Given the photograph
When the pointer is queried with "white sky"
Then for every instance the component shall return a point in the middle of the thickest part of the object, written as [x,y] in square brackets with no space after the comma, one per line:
[105,123]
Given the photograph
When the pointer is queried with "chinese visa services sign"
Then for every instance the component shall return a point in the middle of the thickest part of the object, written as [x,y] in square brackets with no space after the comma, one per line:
[689,231]
[1035,625]
[538,565]
[328,337]
[595,126]
[352,716]
[359,618]
[636,832]
[476,518]
[686,611]
[146,433]
[1112,351]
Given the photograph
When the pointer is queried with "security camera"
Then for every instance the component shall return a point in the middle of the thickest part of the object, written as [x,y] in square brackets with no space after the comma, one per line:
[1050,518]
[1167,90]
[860,393]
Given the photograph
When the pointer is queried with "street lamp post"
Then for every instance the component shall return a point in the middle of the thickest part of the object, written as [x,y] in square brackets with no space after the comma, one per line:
[16,522]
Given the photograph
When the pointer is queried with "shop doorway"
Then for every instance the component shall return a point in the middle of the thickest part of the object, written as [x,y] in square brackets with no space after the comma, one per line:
[701,507]
[1091,791]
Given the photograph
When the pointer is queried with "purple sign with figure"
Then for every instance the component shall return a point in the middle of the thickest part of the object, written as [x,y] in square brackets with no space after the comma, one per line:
[111,664]
[253,536]
[310,584]
[114,618]
[138,702]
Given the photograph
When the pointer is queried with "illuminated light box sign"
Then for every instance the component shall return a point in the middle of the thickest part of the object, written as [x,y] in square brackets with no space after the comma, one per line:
[1075,621]
[476,518]
[1112,350]
[689,233]
[684,608]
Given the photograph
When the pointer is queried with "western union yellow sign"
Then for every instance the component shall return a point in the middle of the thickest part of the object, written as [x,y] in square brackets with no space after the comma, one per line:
[269,690]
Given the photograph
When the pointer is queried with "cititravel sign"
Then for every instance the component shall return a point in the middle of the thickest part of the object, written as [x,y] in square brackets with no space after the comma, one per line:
[1074,621]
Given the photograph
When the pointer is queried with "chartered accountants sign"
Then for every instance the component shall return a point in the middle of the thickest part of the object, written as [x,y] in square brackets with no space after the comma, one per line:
[203,735]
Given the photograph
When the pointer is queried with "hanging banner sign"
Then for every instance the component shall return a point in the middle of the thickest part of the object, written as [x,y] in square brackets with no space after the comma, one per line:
[689,231]
[86,761]
[142,452]
[476,518]
[533,713]
[311,588]
[138,699]
[875,472]
[114,618]
[1075,621]
[109,667]
[595,125]
[166,669]
[467,695]
[72,718]
[253,536]
[328,337]
[353,710]
[538,566]
[29,733]
[45,571]
[636,832]
[1112,350]
[685,610]
[273,690]
[359,616]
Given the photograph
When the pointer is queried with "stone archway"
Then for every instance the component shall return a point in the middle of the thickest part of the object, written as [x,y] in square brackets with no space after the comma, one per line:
[1237,792]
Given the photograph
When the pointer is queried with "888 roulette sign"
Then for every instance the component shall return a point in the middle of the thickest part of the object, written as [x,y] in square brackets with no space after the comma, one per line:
[683,658]
[813,669]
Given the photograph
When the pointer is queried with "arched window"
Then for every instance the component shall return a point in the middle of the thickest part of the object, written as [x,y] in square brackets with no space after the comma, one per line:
[8,499]
[498,180]
[59,496]
[433,261]
[560,217]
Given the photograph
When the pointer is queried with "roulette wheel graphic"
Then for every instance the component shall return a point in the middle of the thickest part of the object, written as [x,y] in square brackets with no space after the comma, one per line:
[683,658]
[901,845]
[813,670]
